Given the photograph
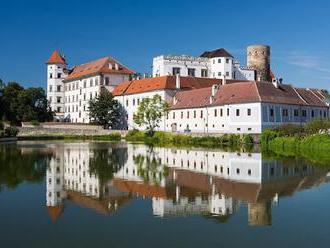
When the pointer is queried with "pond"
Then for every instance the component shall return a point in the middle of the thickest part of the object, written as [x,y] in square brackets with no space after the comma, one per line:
[103,194]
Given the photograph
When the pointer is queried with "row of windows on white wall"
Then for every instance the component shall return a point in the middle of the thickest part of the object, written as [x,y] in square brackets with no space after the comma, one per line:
[76,98]
[85,84]
[215,113]
[59,75]
[220,60]
[191,72]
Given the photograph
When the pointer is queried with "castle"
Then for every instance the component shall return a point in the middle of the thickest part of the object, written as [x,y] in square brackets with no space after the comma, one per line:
[211,93]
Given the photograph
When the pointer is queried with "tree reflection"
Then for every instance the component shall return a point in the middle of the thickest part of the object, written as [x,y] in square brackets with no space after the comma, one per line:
[18,166]
[106,161]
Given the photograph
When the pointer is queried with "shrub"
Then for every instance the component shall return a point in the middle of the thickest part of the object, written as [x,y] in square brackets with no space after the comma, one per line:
[268,135]
[11,131]
[2,126]
[290,130]
[248,139]
[35,123]
[317,125]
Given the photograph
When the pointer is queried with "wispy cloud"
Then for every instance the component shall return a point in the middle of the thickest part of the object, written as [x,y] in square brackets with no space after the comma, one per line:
[310,62]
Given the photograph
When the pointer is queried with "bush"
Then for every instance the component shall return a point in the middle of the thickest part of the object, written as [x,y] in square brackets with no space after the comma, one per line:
[11,131]
[2,126]
[35,123]
[247,139]
[268,135]
[317,125]
[289,130]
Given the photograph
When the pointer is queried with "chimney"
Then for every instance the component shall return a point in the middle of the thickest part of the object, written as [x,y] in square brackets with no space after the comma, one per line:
[224,81]
[175,100]
[214,89]
[275,82]
[177,81]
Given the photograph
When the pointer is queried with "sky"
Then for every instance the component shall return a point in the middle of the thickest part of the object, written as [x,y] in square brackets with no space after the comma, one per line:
[136,31]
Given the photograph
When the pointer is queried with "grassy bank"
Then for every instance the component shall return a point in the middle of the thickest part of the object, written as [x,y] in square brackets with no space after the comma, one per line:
[310,141]
[109,137]
[170,139]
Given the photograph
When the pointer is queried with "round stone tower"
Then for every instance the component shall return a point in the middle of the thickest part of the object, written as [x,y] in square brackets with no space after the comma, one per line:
[258,58]
[260,214]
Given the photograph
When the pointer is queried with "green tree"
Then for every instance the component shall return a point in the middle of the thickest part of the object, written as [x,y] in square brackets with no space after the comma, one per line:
[104,109]
[150,112]
[9,102]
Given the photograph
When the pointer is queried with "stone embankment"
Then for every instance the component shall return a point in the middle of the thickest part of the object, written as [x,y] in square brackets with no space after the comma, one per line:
[64,129]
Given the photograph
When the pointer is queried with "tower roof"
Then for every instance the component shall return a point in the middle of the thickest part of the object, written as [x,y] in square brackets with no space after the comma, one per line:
[221,52]
[56,58]
[55,212]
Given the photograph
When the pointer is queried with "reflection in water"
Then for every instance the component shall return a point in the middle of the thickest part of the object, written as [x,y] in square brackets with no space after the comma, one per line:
[180,182]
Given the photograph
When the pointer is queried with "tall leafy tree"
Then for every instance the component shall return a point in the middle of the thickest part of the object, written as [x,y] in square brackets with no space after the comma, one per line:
[10,102]
[104,109]
[150,112]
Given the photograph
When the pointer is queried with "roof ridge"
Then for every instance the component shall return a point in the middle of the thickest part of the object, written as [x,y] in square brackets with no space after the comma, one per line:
[295,90]
[315,94]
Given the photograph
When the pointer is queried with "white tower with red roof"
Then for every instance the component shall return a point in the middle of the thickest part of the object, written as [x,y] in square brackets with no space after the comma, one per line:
[56,72]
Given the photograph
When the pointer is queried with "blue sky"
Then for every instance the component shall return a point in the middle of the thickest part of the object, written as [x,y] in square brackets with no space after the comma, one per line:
[136,31]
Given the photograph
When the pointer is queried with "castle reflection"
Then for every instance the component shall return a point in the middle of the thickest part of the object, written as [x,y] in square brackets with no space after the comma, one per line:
[179,182]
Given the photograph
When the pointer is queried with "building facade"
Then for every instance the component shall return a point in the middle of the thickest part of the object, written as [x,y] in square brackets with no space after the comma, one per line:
[70,90]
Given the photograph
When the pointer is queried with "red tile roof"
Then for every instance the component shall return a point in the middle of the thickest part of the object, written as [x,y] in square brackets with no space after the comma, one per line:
[95,67]
[55,212]
[247,92]
[192,98]
[165,82]
[56,58]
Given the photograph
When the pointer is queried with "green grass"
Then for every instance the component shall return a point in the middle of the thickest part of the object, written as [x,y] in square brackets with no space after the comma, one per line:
[315,148]
[182,140]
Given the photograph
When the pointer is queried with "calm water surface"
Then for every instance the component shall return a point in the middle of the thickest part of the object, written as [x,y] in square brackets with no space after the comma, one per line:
[99,194]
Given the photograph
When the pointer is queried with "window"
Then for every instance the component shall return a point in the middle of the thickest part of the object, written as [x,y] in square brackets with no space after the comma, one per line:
[296,112]
[191,72]
[173,116]
[227,111]
[271,112]
[175,70]
[96,81]
[219,61]
[133,102]
[58,88]
[84,97]
[238,129]
[138,101]
[219,73]
[227,73]
[50,99]
[312,113]
[203,73]
[248,112]
[90,95]
[221,112]
[249,172]
[215,112]
[107,81]
[59,109]
[304,112]
[91,82]
[237,112]
[194,113]
[50,88]
[126,102]
[50,75]
[187,114]
[59,75]
[85,83]
[285,112]
[201,113]
[58,99]
[238,171]
[181,114]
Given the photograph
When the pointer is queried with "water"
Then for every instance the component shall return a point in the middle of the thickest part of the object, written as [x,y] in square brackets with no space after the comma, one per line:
[99,194]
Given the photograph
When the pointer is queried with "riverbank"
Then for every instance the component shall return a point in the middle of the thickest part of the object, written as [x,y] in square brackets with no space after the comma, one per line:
[189,140]
[315,148]
[106,137]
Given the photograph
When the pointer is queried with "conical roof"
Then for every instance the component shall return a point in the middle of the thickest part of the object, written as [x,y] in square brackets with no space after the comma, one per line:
[56,58]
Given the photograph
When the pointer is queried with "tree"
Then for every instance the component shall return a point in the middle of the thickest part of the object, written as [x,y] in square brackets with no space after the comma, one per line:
[9,102]
[104,109]
[150,112]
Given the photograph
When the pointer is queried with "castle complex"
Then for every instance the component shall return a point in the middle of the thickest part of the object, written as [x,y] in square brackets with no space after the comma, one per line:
[211,93]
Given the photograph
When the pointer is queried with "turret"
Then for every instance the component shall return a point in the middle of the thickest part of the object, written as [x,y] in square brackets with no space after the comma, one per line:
[56,72]
[258,58]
